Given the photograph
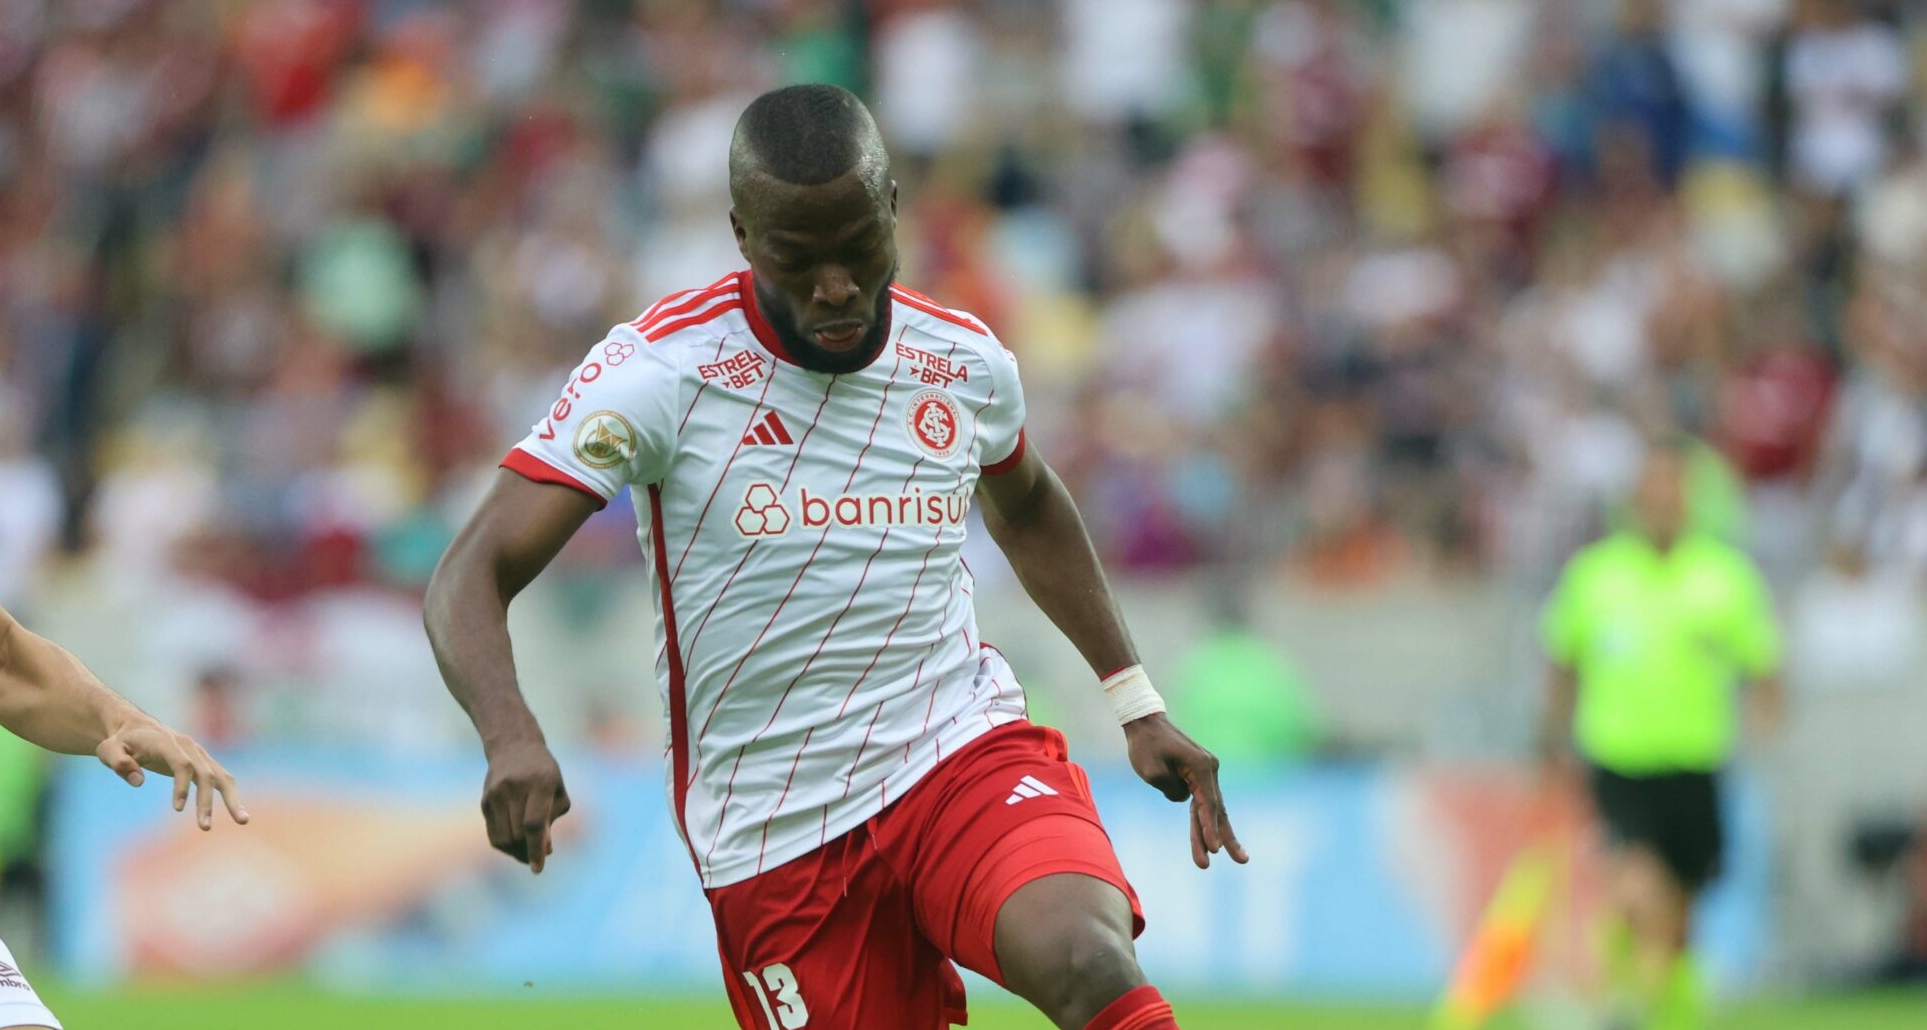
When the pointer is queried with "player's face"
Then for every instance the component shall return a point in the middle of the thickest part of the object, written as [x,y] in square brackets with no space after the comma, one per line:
[823,257]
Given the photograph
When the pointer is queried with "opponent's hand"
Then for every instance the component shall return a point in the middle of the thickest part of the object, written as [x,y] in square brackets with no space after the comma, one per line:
[523,796]
[1173,763]
[154,747]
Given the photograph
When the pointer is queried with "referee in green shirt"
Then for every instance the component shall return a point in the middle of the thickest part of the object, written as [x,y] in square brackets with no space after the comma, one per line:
[1650,631]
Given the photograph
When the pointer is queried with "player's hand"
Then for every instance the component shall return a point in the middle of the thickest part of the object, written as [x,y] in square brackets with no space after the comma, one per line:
[154,747]
[522,798]
[1173,763]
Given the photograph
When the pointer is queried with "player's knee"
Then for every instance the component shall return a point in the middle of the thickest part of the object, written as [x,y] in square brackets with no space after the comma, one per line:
[1086,968]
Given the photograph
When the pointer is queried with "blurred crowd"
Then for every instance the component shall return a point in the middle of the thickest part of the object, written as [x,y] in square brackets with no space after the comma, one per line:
[1347,291]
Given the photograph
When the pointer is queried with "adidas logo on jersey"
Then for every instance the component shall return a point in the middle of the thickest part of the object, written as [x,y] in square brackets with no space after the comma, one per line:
[1029,787]
[768,430]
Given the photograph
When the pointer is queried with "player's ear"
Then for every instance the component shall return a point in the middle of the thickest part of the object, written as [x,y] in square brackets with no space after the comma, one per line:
[742,234]
[893,198]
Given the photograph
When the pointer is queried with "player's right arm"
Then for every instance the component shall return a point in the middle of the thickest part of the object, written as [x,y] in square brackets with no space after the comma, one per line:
[518,529]
[49,699]
[612,426]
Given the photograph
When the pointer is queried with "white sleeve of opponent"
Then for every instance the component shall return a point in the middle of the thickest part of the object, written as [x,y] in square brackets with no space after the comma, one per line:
[614,424]
[1000,429]
[19,1005]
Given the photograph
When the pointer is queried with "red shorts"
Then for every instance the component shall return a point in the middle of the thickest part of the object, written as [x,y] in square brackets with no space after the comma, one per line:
[860,933]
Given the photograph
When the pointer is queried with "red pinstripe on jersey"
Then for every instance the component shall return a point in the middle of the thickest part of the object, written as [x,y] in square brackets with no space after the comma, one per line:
[528,466]
[747,551]
[730,789]
[697,529]
[678,687]
[861,579]
[691,410]
[915,585]
[906,295]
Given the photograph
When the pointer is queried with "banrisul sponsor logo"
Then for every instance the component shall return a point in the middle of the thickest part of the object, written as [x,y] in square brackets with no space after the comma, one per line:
[912,509]
[765,513]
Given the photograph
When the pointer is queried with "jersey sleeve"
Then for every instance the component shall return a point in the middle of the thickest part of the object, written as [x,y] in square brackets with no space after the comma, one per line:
[1000,429]
[1753,633]
[613,425]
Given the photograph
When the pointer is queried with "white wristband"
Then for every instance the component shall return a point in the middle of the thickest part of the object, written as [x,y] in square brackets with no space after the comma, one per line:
[1131,695]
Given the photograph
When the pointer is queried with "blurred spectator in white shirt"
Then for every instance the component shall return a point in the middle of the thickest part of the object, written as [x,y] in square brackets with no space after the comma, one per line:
[1125,59]
[929,70]
[1846,74]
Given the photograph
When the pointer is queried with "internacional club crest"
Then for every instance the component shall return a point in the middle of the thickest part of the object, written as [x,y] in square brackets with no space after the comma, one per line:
[934,423]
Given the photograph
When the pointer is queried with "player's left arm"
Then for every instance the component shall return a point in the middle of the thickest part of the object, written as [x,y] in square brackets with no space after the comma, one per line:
[1033,518]
[48,698]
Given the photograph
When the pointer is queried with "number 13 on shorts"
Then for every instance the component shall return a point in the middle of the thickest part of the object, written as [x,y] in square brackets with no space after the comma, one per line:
[775,989]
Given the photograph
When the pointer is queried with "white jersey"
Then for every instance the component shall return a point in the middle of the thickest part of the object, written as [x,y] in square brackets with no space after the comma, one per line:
[819,652]
[19,1005]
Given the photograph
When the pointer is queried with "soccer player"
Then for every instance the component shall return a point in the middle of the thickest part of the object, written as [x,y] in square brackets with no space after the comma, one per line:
[1649,631]
[48,698]
[849,764]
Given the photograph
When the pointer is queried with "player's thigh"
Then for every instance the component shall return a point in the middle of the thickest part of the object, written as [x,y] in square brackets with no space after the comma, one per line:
[1005,815]
[829,942]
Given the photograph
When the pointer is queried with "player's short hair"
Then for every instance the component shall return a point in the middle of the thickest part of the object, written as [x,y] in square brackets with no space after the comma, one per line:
[807,135]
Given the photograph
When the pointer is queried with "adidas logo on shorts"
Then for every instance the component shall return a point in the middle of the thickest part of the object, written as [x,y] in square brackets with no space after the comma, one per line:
[1029,787]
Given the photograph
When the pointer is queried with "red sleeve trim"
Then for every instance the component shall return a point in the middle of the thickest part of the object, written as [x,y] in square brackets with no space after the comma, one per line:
[998,468]
[530,467]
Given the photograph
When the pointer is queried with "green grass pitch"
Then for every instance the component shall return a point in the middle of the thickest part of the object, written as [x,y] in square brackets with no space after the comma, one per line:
[295,1008]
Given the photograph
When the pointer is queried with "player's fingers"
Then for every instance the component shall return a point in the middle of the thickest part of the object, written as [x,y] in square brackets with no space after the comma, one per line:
[203,792]
[536,815]
[1199,856]
[182,778]
[114,755]
[1206,803]
[1225,833]
[1221,824]
[501,828]
[230,795]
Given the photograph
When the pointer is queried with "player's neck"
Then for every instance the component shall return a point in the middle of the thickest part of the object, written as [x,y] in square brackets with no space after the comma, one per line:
[790,346]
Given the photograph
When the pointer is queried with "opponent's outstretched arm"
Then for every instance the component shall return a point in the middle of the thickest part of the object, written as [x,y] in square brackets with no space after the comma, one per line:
[1032,516]
[514,534]
[48,698]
